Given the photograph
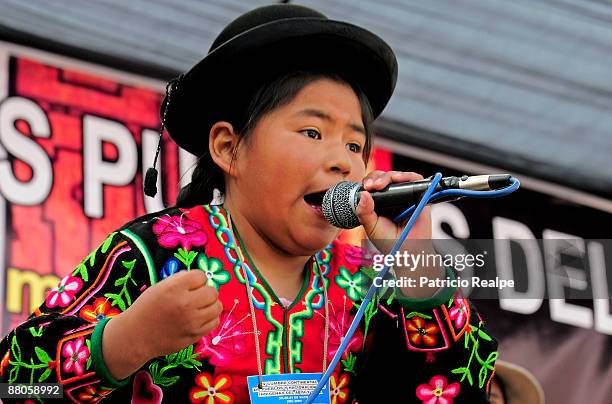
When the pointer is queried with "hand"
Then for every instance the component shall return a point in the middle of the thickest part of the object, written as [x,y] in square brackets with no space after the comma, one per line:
[166,318]
[382,231]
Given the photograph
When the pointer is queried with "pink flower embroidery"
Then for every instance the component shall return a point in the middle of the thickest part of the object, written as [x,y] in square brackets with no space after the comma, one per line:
[76,353]
[458,313]
[175,230]
[339,323]
[437,391]
[224,342]
[358,256]
[62,294]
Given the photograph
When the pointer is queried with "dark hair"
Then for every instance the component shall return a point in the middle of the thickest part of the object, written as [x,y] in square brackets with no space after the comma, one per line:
[207,175]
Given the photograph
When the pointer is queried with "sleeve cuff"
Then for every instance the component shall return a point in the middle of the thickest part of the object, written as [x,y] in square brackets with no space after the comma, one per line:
[98,357]
[439,298]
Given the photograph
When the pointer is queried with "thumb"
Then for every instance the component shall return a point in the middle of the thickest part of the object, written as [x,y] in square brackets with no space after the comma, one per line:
[193,279]
[365,212]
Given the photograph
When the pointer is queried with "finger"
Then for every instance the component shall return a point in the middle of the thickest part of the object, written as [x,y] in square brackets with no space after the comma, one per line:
[208,325]
[377,179]
[193,280]
[204,296]
[382,181]
[406,176]
[365,212]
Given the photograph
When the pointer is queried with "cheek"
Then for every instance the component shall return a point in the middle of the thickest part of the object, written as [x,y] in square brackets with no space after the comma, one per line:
[359,169]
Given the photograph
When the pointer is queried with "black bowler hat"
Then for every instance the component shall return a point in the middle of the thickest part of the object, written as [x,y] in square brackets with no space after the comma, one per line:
[262,44]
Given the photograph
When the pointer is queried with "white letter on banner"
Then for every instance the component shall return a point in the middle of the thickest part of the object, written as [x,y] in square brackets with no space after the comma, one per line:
[36,190]
[562,276]
[98,172]
[530,301]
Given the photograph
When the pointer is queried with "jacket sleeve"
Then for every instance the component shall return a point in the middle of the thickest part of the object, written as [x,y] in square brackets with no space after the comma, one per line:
[421,349]
[60,342]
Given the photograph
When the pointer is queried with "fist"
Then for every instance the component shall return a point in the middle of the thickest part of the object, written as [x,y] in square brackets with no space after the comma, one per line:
[173,313]
[383,231]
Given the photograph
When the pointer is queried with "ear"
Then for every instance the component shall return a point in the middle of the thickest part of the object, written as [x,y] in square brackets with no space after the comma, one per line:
[222,141]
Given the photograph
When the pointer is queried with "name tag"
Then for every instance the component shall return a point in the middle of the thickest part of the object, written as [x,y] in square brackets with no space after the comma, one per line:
[291,388]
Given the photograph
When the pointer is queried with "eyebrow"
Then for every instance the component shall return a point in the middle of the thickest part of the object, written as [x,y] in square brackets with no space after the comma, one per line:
[323,115]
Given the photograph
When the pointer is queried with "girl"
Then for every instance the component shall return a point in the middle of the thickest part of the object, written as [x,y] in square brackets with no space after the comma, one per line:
[183,304]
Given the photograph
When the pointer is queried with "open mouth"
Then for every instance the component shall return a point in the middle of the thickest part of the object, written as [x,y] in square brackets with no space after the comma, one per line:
[315,199]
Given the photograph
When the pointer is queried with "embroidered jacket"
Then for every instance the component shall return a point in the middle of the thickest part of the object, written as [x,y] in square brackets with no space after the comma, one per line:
[405,350]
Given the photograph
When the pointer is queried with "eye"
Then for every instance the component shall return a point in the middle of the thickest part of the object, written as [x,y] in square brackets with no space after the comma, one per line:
[311,133]
[354,147]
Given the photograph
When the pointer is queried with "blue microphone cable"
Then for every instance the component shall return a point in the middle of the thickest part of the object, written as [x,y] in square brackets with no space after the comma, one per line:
[415,210]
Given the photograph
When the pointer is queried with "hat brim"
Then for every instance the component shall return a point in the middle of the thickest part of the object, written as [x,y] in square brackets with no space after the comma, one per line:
[227,77]
[521,386]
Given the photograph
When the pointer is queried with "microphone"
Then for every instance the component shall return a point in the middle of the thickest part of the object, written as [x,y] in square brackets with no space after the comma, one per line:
[340,201]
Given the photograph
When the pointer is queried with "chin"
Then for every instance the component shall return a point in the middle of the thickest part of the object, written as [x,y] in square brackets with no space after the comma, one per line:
[316,241]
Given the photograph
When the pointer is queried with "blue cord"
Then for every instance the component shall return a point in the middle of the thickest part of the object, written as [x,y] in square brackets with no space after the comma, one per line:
[514,185]
[428,196]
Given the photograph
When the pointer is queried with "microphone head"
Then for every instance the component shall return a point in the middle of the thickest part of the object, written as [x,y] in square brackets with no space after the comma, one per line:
[340,204]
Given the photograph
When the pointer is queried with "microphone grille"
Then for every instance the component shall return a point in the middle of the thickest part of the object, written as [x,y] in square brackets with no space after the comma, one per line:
[339,205]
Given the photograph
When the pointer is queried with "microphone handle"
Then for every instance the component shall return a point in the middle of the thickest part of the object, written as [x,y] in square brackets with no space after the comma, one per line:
[396,198]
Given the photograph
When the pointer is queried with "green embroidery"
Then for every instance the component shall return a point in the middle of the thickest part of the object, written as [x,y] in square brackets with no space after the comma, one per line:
[88,363]
[107,243]
[145,253]
[213,268]
[117,298]
[417,314]
[36,332]
[371,274]
[485,365]
[349,363]
[296,324]
[186,257]
[81,269]
[369,312]
[15,360]
[185,358]
[354,285]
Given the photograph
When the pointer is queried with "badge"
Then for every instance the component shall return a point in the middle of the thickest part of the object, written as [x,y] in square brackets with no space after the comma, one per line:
[293,388]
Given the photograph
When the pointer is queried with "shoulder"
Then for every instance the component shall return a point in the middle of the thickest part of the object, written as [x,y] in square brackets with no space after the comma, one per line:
[172,230]
[171,224]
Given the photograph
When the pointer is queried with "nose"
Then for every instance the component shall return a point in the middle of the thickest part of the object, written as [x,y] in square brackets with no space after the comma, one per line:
[338,160]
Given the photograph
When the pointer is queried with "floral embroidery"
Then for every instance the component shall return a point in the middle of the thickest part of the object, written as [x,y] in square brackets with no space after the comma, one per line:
[145,391]
[338,388]
[339,323]
[171,266]
[209,392]
[358,256]
[420,332]
[458,313]
[76,353]
[91,395]
[213,268]
[62,294]
[354,285]
[224,342]
[438,391]
[98,311]
[174,230]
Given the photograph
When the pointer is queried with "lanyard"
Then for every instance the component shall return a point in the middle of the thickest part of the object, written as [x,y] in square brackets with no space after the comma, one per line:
[252,308]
